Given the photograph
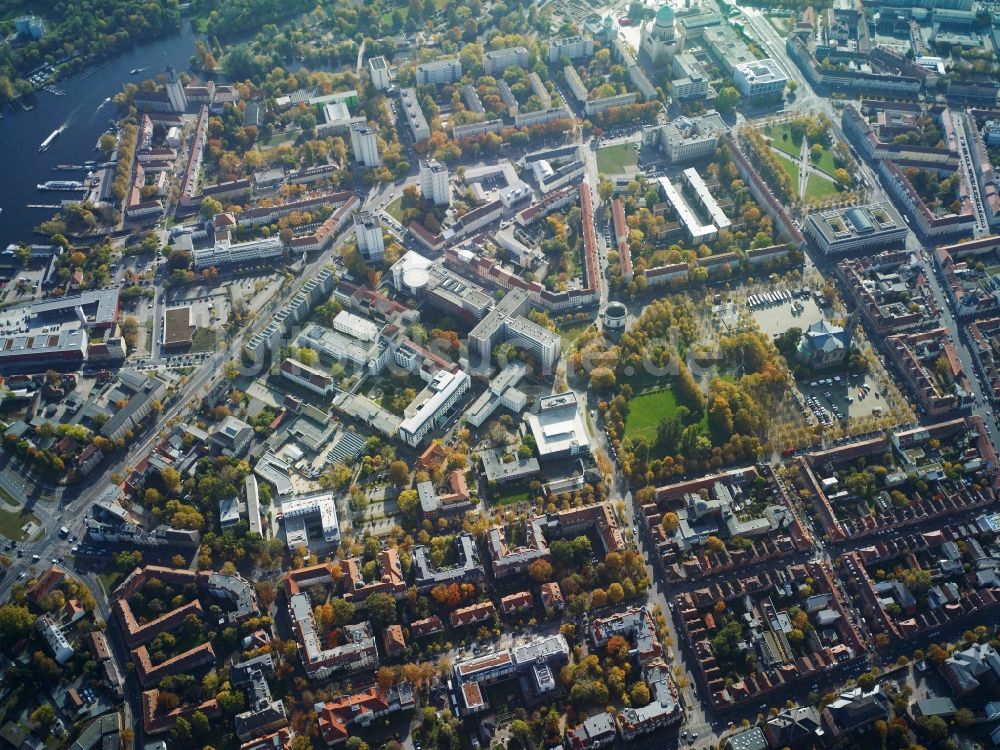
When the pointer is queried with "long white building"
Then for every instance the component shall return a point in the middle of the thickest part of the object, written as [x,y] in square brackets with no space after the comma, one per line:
[496,61]
[571,47]
[414,115]
[439,72]
[429,409]
[227,254]
[696,231]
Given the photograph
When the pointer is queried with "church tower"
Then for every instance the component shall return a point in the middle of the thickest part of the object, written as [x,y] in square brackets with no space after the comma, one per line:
[175,91]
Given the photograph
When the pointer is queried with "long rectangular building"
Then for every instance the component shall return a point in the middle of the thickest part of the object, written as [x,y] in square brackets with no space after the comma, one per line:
[431,407]
[414,115]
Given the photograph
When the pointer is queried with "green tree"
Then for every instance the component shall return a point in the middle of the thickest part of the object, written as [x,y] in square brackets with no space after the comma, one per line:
[381,608]
[408,501]
[15,623]
[210,207]
[399,473]
[44,715]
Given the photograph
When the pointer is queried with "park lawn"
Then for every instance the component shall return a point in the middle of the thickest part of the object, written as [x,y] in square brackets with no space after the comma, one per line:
[571,332]
[11,522]
[825,161]
[645,412]
[789,145]
[819,189]
[792,169]
[395,209]
[616,159]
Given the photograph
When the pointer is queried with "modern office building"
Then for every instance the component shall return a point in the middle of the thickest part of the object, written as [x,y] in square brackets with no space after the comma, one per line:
[439,72]
[368,232]
[558,427]
[690,78]
[239,253]
[506,323]
[872,228]
[434,185]
[759,79]
[430,409]
[364,144]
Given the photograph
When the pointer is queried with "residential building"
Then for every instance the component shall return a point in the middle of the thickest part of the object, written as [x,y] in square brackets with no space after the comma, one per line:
[467,569]
[355,653]
[571,48]
[414,115]
[662,710]
[695,230]
[55,639]
[439,72]
[364,144]
[368,232]
[855,710]
[472,614]
[378,71]
[595,106]
[595,732]
[634,624]
[434,182]
[538,89]
[575,83]
[361,709]
[496,61]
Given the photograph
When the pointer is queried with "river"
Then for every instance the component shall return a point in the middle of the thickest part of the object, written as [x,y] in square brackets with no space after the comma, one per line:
[84,114]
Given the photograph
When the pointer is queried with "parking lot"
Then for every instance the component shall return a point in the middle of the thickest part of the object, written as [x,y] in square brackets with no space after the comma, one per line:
[839,397]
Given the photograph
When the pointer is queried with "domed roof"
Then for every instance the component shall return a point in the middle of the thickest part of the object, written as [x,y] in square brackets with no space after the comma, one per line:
[665,16]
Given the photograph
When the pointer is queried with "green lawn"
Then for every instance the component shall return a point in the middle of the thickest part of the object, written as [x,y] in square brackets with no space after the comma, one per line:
[278,139]
[616,159]
[511,494]
[394,209]
[792,169]
[571,332]
[826,161]
[11,523]
[645,412]
[818,189]
[781,139]
[203,340]
[7,498]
